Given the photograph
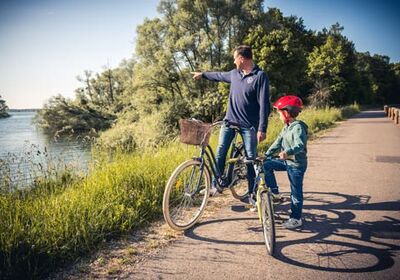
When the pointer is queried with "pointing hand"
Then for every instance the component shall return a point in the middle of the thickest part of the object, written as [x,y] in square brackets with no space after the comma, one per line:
[196,75]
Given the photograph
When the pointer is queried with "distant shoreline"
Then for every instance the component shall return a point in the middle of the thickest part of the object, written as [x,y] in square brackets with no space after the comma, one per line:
[23,110]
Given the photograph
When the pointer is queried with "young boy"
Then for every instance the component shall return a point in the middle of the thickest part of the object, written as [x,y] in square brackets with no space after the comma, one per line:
[291,147]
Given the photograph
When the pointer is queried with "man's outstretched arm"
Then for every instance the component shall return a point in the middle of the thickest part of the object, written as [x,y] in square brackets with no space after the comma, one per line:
[213,76]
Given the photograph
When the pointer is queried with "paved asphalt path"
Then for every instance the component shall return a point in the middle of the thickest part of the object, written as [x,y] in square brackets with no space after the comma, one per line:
[351,213]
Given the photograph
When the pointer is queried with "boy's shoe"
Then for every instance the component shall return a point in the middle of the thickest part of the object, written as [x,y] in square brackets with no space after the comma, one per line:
[292,223]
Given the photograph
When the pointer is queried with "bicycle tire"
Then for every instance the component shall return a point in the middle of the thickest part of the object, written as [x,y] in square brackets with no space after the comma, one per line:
[184,201]
[238,172]
[268,221]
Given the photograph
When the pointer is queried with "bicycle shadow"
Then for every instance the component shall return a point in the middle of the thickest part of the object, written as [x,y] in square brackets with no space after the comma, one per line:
[332,238]
[339,242]
[193,233]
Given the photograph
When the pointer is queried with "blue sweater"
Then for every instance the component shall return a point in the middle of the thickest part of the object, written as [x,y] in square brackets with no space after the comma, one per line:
[248,97]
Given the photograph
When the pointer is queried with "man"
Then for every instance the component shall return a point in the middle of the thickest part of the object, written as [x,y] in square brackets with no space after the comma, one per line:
[248,107]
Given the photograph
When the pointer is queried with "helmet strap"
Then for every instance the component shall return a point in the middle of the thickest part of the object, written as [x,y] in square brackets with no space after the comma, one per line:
[286,116]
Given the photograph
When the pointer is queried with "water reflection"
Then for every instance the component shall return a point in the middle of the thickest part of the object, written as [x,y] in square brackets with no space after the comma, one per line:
[26,152]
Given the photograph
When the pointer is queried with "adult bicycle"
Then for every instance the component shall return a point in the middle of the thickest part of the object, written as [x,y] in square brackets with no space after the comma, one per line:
[188,188]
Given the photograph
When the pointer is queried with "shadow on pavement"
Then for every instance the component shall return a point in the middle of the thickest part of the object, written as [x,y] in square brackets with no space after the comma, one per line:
[339,242]
[193,233]
[331,239]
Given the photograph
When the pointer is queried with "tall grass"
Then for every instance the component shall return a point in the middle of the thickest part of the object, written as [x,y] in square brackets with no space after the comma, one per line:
[65,218]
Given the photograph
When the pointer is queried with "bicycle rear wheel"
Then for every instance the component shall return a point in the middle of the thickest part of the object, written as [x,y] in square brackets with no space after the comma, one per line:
[186,195]
[268,221]
[237,174]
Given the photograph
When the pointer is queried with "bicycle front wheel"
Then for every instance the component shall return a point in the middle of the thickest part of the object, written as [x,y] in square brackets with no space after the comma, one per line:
[186,194]
[268,221]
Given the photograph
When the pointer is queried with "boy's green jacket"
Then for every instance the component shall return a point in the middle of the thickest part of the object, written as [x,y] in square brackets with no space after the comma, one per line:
[293,140]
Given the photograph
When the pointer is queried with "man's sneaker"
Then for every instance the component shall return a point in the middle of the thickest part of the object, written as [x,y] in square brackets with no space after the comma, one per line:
[214,191]
[276,198]
[292,223]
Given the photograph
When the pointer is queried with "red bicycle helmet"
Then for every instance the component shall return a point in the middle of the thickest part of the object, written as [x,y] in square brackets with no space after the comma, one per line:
[291,103]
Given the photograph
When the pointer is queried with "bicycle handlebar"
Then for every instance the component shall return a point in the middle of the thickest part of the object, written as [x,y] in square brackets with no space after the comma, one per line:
[217,123]
[257,160]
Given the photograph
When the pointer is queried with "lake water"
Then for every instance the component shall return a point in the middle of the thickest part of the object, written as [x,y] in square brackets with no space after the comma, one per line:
[25,151]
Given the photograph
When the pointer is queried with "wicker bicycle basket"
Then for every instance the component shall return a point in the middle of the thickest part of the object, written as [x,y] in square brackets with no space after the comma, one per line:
[194,132]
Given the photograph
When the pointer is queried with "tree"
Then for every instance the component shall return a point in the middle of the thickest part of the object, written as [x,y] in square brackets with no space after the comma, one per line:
[3,108]
[320,96]
[332,64]
[379,79]
[64,116]
[97,105]
[395,67]
[191,35]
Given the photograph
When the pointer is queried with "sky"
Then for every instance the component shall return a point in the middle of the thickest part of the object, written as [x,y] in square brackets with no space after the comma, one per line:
[45,45]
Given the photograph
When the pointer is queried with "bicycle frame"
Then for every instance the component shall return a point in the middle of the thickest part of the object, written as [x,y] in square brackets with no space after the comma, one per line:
[211,162]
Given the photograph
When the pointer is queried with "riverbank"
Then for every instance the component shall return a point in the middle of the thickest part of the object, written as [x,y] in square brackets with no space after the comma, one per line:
[66,218]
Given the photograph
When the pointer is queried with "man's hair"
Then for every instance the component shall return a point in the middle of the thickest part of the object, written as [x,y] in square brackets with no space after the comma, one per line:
[244,51]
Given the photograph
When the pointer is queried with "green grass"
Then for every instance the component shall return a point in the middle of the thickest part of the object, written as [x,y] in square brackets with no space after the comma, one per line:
[62,219]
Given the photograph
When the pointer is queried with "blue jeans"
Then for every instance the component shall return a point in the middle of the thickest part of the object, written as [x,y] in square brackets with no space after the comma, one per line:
[295,175]
[249,136]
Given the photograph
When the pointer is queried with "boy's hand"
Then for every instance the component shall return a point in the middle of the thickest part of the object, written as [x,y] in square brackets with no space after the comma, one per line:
[283,155]
[197,75]
[261,136]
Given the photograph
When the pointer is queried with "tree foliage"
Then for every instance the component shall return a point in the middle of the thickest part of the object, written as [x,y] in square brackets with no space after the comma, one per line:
[143,99]
[64,116]
[98,103]
[3,108]
[332,64]
[279,45]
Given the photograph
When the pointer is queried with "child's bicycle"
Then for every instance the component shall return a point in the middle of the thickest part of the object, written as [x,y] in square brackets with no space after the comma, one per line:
[188,188]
